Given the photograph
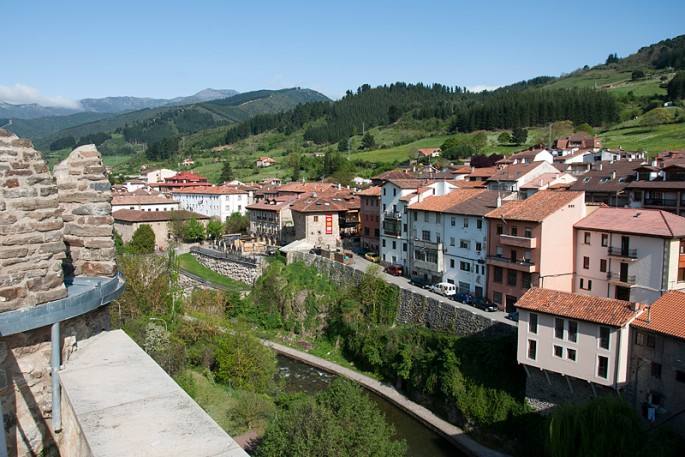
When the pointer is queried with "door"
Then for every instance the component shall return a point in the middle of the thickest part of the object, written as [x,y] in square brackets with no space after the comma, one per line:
[625,245]
[479,291]
[623,274]
[510,301]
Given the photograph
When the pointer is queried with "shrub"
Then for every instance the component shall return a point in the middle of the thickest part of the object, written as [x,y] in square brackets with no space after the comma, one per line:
[193,231]
[142,241]
[245,363]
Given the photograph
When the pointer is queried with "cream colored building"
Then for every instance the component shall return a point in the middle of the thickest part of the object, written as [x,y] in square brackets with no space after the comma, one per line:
[317,220]
[127,221]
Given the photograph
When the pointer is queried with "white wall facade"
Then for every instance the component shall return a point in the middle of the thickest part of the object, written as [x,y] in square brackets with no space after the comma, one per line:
[466,244]
[213,205]
[171,206]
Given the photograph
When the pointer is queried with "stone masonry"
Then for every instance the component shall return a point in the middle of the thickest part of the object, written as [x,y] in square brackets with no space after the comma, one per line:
[85,198]
[32,251]
[240,271]
[414,308]
[31,244]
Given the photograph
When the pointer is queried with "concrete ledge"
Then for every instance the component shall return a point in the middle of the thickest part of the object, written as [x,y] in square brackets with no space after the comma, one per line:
[125,404]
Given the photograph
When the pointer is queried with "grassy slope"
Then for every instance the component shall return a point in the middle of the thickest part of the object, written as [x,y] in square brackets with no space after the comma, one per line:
[651,139]
[187,262]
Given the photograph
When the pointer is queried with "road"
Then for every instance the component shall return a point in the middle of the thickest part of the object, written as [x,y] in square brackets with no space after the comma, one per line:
[360,263]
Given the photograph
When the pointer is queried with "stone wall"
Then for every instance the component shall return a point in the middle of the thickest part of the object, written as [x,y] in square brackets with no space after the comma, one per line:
[240,271]
[85,197]
[414,308]
[31,240]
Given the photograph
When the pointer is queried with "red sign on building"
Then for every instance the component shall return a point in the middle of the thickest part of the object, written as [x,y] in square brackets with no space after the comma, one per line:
[329,224]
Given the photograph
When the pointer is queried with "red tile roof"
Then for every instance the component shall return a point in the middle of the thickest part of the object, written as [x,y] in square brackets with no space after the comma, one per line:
[639,221]
[186,176]
[409,183]
[132,215]
[483,172]
[440,203]
[374,191]
[211,190]
[601,310]
[666,315]
[318,205]
[140,198]
[514,171]
[428,151]
[537,207]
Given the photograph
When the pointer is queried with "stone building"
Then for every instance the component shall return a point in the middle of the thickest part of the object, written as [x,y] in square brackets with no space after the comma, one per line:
[57,269]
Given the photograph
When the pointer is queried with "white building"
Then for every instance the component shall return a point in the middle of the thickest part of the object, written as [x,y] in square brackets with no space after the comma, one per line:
[160,175]
[448,236]
[396,195]
[213,201]
[511,177]
[530,156]
[629,253]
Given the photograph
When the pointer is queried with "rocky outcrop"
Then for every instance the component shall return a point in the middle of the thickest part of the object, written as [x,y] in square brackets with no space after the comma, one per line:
[31,238]
[85,199]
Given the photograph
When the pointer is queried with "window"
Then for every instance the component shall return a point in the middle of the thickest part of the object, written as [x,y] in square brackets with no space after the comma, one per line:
[645,339]
[655,369]
[680,376]
[532,348]
[426,217]
[383,243]
[603,265]
[571,354]
[452,242]
[394,192]
[681,274]
[394,245]
[497,297]
[404,247]
[437,238]
[586,262]
[463,244]
[526,280]
[558,328]
[384,191]
[453,221]
[500,229]
[605,240]
[586,237]
[528,233]
[464,266]
[604,337]
[437,218]
[514,231]
[316,218]
[572,331]
[404,228]
[479,224]
[558,351]
[426,235]
[415,215]
[466,222]
[532,323]
[602,367]
[479,247]
[451,263]
[511,277]
[498,273]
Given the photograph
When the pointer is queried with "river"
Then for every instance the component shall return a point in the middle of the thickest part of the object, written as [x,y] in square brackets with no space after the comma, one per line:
[421,440]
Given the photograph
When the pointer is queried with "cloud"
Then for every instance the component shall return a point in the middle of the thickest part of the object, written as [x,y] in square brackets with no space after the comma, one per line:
[20,94]
[481,88]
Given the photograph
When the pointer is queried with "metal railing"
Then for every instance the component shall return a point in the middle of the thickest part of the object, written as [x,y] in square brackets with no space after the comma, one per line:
[252,260]
[524,262]
[661,201]
[622,252]
[628,279]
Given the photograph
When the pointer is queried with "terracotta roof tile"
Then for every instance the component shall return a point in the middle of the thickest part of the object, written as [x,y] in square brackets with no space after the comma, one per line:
[535,208]
[514,171]
[440,203]
[601,310]
[374,191]
[211,190]
[132,215]
[483,172]
[640,221]
[666,315]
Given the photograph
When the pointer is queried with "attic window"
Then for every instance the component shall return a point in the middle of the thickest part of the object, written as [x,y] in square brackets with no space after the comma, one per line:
[586,179]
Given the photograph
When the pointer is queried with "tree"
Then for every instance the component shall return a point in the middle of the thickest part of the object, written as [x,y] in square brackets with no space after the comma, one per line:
[585,127]
[118,243]
[344,145]
[67,142]
[237,223]
[332,161]
[214,229]
[519,135]
[676,87]
[637,74]
[329,424]
[142,241]
[193,231]
[226,172]
[394,114]
[245,363]
[368,141]
[613,58]
[504,138]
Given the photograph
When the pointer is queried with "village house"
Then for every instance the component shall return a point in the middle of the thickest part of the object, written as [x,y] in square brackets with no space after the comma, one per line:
[511,177]
[630,254]
[213,201]
[531,155]
[531,244]
[180,180]
[264,162]
[127,221]
[573,347]
[370,218]
[188,162]
[580,140]
[606,182]
[662,190]
[428,153]
[144,201]
[271,221]
[158,175]
[317,221]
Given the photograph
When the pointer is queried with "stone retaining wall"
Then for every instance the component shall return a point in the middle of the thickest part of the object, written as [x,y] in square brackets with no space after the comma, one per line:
[414,308]
[243,272]
[546,390]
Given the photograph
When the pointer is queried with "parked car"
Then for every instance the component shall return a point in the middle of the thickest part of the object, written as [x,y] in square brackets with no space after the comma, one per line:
[513,316]
[463,297]
[372,257]
[484,304]
[444,288]
[394,269]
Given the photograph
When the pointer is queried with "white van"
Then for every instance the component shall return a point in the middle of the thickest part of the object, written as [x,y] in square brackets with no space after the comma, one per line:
[444,288]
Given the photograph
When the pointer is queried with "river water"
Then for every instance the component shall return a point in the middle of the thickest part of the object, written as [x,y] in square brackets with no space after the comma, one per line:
[421,440]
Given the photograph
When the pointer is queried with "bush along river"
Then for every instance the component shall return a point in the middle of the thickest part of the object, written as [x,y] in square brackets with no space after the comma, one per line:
[421,440]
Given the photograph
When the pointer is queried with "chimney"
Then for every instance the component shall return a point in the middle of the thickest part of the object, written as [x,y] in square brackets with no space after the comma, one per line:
[601,165]
[613,174]
[649,314]
[499,201]
[634,306]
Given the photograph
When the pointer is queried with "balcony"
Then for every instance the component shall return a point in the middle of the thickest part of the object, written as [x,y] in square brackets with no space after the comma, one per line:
[518,241]
[525,265]
[628,253]
[661,201]
[621,279]
[393,216]
[428,245]
[392,227]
